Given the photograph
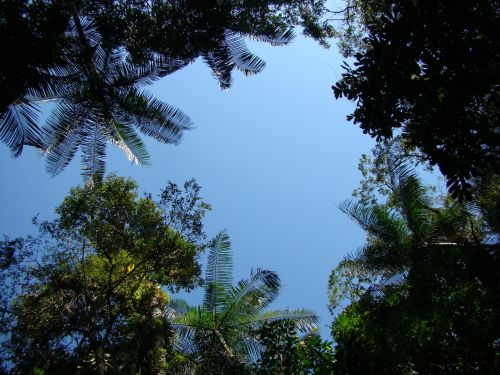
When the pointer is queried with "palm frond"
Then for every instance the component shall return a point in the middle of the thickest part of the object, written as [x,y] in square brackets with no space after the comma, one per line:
[153,117]
[18,127]
[221,64]
[219,272]
[50,86]
[250,296]
[62,135]
[384,258]
[242,58]
[93,145]
[189,324]
[305,320]
[102,59]
[274,35]
[253,347]
[378,221]
[126,74]
[127,140]
[167,65]
[89,29]
[414,204]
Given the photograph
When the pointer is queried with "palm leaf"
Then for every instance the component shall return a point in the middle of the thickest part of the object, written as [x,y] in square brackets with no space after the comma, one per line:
[167,65]
[18,127]
[189,324]
[253,347]
[219,273]
[242,58]
[63,136]
[127,140]
[250,296]
[305,320]
[221,64]
[153,117]
[414,204]
[274,35]
[378,221]
[93,147]
[125,74]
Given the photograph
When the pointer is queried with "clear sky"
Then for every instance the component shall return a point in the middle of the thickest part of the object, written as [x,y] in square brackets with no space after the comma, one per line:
[274,156]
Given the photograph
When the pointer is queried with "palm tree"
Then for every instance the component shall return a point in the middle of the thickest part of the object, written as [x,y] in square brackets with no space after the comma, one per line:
[104,104]
[97,86]
[99,99]
[397,233]
[221,333]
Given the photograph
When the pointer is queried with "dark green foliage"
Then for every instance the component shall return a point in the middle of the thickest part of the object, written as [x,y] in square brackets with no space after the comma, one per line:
[95,57]
[430,71]
[442,320]
[86,294]
[32,36]
[286,353]
[423,293]
[279,339]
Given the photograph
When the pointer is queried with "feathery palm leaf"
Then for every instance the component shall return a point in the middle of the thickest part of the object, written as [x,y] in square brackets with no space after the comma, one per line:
[127,140]
[378,221]
[18,127]
[225,325]
[232,52]
[250,296]
[414,204]
[243,59]
[274,35]
[219,273]
[104,105]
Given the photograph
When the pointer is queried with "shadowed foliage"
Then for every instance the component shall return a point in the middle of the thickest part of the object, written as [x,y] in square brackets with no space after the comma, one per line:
[95,57]
[430,72]
[421,296]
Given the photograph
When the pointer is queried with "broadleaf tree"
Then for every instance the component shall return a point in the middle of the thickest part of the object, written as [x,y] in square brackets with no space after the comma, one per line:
[88,294]
[429,72]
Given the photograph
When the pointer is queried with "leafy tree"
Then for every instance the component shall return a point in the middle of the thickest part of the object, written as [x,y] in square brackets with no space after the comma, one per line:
[220,335]
[286,353]
[430,73]
[86,294]
[93,56]
[422,291]
[380,170]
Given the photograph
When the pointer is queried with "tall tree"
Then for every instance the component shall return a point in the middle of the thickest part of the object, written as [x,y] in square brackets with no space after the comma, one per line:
[87,292]
[430,72]
[104,104]
[92,56]
[421,294]
[221,335]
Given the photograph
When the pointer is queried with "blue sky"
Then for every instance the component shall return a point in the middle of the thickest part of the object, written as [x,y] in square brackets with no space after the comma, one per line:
[274,156]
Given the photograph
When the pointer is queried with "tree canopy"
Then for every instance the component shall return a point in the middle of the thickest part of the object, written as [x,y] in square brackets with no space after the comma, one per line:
[221,335]
[430,72]
[94,57]
[88,294]
[421,294]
